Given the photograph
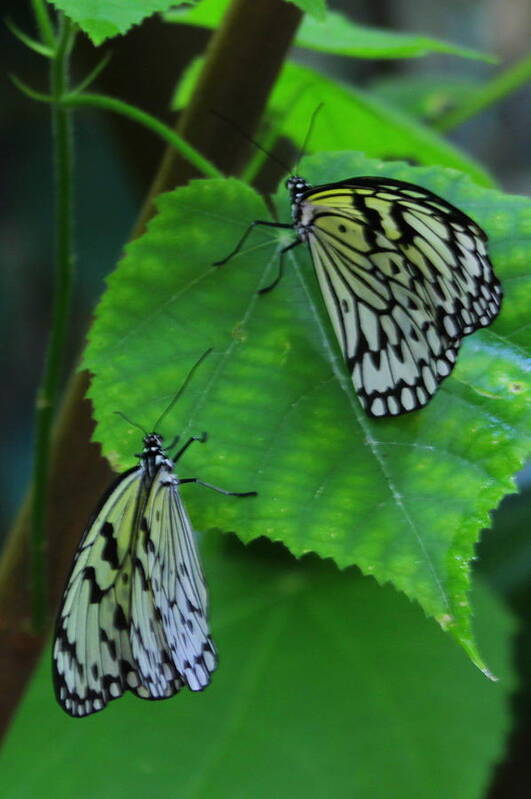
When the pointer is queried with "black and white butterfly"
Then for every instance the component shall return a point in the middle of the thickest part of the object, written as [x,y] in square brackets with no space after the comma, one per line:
[404,276]
[134,611]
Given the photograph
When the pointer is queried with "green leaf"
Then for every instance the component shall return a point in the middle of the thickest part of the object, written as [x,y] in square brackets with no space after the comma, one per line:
[337,34]
[315,8]
[28,41]
[29,92]
[403,498]
[101,20]
[327,686]
[349,118]
[426,97]
[352,119]
[509,80]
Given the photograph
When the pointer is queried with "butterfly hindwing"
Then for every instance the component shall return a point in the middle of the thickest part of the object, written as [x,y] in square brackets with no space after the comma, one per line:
[169,629]
[404,276]
[181,594]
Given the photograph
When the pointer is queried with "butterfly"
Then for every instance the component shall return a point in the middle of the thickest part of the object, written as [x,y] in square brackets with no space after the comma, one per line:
[134,611]
[404,276]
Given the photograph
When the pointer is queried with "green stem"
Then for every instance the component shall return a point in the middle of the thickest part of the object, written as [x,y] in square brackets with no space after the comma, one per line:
[43,21]
[495,90]
[48,390]
[74,100]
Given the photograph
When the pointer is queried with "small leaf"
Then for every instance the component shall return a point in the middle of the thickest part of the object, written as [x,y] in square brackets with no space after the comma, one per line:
[335,33]
[404,499]
[92,75]
[33,94]
[315,8]
[102,20]
[32,44]
[327,686]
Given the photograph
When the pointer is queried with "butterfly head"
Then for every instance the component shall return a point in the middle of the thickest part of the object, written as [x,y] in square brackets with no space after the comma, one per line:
[154,456]
[153,443]
[296,187]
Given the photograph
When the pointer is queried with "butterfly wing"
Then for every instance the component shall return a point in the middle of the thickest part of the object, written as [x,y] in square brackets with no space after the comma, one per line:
[92,659]
[169,629]
[404,275]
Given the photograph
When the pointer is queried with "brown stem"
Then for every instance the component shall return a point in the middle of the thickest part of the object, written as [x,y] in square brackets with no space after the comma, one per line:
[243,59]
[77,476]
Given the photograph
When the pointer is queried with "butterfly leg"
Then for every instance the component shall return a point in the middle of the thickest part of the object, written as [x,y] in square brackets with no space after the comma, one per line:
[172,444]
[215,488]
[244,237]
[276,281]
[202,438]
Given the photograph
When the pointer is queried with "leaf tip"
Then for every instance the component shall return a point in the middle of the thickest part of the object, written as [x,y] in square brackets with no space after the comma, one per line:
[489,674]
[447,623]
[473,654]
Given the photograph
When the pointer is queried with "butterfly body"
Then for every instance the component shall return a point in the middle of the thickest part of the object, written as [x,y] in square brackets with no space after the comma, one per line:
[133,615]
[404,276]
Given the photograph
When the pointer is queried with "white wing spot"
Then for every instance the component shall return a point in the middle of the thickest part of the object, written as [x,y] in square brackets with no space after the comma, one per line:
[378,408]
[407,399]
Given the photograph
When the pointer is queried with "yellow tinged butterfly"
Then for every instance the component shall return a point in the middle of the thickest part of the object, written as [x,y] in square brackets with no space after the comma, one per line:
[404,276]
[134,611]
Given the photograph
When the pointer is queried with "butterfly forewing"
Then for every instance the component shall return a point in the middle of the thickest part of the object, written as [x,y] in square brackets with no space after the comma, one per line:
[404,276]
[92,653]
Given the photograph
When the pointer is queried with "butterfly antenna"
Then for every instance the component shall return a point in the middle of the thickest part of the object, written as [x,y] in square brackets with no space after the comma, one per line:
[182,388]
[250,139]
[129,421]
[308,134]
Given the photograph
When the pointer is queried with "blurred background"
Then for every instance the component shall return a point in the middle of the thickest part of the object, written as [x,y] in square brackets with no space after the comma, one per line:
[116,159]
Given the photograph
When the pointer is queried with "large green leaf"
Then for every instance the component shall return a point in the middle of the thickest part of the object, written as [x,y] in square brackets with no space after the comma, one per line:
[102,20]
[403,498]
[337,34]
[327,686]
[348,119]
[352,119]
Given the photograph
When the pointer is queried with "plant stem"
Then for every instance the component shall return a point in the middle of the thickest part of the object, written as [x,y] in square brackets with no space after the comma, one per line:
[495,90]
[48,390]
[43,21]
[248,78]
[102,101]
